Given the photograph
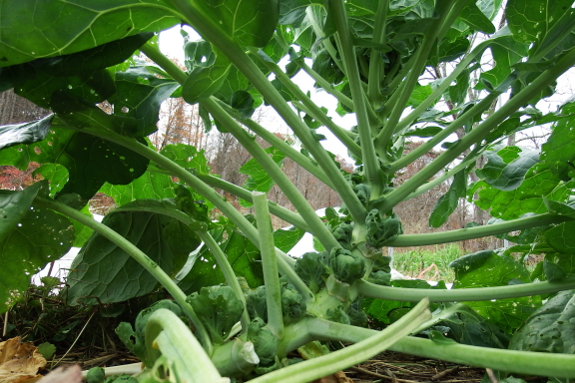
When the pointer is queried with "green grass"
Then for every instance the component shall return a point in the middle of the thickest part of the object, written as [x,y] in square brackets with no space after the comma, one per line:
[425,264]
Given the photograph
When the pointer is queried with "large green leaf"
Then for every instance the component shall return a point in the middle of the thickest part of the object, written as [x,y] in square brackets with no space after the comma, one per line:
[544,22]
[249,23]
[550,328]
[539,183]
[188,157]
[150,185]
[139,95]
[104,270]
[29,238]
[561,237]
[50,28]
[559,150]
[448,202]
[486,268]
[505,169]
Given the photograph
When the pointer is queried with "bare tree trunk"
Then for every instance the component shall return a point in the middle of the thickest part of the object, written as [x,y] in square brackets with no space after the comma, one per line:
[15,109]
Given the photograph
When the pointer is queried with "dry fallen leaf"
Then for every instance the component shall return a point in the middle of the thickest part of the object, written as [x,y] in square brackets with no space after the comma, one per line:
[19,362]
[72,374]
[338,377]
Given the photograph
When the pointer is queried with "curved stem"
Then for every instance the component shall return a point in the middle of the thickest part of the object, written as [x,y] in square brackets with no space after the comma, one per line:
[336,361]
[228,271]
[522,362]
[152,267]
[424,239]
[403,294]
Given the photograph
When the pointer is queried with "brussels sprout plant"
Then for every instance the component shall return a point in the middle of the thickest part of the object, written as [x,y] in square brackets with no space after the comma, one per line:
[244,305]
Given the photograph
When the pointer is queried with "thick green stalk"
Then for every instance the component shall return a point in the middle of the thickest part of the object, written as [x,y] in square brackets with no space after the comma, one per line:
[168,336]
[152,267]
[427,146]
[424,239]
[422,54]
[310,107]
[404,294]
[480,131]
[369,158]
[269,265]
[243,62]
[522,362]
[292,193]
[338,360]
[277,210]
[279,144]
[376,64]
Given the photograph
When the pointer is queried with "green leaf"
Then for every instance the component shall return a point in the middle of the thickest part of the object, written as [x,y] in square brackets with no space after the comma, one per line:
[219,310]
[84,154]
[506,52]
[561,237]
[242,255]
[458,92]
[103,269]
[505,169]
[258,178]
[188,157]
[559,150]
[248,23]
[203,81]
[539,184]
[135,338]
[550,328]
[285,239]
[472,15]
[57,28]
[83,75]
[46,349]
[139,96]
[29,239]
[468,327]
[26,133]
[150,185]
[539,21]
[486,268]
[428,131]
[448,202]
